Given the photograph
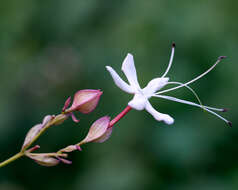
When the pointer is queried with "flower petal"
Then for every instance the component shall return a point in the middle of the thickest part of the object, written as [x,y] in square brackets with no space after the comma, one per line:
[154,85]
[118,81]
[157,115]
[129,69]
[138,102]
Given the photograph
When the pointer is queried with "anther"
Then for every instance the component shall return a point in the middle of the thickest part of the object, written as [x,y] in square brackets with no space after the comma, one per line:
[229,123]
[173,45]
[225,110]
[221,57]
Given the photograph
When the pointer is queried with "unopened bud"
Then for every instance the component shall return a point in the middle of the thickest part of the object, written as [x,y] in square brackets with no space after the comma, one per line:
[71,148]
[60,118]
[34,131]
[85,101]
[99,131]
[105,136]
[43,159]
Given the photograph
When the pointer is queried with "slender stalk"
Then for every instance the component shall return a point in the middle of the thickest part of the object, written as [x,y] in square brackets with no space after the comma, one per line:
[119,116]
[55,120]
[13,158]
[52,122]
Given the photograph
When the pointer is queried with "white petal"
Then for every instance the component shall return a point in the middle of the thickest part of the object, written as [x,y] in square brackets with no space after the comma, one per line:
[138,102]
[129,69]
[154,85]
[159,116]
[119,82]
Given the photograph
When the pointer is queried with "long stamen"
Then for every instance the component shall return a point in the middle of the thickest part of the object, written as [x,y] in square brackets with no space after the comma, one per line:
[195,94]
[170,60]
[193,104]
[188,87]
[198,77]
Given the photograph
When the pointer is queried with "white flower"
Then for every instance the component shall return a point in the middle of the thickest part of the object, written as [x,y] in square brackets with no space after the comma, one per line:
[141,97]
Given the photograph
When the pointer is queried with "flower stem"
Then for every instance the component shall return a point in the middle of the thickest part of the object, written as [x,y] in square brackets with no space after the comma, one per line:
[57,119]
[13,158]
[119,116]
[54,121]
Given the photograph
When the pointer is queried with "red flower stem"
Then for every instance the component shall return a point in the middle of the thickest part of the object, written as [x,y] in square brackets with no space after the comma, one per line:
[119,116]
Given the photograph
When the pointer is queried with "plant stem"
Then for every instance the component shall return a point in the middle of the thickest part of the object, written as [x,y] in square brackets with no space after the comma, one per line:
[119,116]
[57,119]
[52,122]
[13,158]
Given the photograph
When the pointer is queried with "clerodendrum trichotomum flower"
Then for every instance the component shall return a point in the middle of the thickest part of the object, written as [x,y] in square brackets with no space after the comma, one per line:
[141,97]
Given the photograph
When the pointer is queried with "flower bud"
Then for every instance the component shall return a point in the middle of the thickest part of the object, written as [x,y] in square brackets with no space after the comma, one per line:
[85,101]
[71,148]
[60,118]
[43,159]
[34,131]
[105,136]
[99,131]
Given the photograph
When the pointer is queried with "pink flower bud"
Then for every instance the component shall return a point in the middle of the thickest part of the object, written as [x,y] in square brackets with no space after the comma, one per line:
[85,101]
[105,136]
[34,131]
[99,131]
[43,159]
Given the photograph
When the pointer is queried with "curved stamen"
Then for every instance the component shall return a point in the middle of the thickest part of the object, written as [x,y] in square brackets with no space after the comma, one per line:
[170,60]
[195,94]
[193,80]
[188,87]
[193,104]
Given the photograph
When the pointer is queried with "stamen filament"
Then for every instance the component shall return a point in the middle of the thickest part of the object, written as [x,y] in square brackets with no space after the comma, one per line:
[195,94]
[193,80]
[193,104]
[188,87]
[170,60]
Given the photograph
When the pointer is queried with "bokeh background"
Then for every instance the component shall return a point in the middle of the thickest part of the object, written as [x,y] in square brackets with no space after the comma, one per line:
[51,49]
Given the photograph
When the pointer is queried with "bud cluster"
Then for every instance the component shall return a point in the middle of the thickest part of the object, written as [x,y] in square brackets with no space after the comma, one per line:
[85,101]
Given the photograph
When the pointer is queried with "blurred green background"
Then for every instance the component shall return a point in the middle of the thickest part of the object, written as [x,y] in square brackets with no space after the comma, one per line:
[51,49]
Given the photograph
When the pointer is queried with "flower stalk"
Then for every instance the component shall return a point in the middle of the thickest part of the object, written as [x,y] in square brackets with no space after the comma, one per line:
[24,150]
[119,116]
[11,159]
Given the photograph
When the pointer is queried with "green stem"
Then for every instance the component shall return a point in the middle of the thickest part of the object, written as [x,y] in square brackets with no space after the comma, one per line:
[13,158]
[57,120]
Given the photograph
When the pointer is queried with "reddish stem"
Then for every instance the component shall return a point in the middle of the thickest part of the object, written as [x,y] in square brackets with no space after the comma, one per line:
[119,116]
[34,148]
